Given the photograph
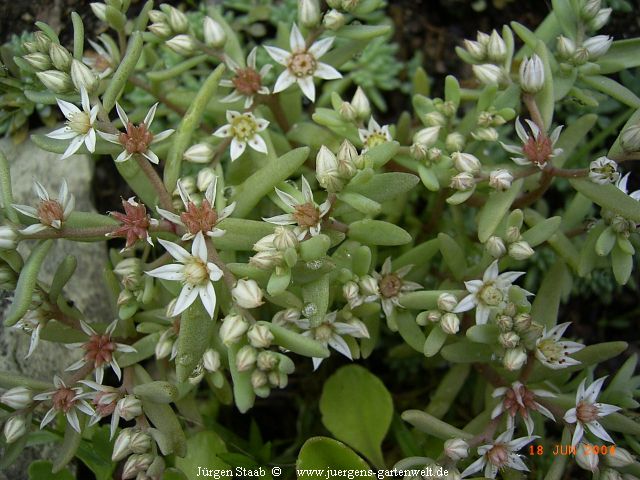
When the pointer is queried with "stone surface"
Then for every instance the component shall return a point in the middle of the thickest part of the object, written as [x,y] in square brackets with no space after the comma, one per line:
[86,288]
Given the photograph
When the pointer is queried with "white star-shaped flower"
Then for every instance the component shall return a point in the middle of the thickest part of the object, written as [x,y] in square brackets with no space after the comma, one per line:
[195,272]
[246,81]
[67,401]
[374,134]
[554,353]
[302,64]
[518,399]
[537,148]
[499,454]
[587,412]
[136,140]
[307,215]
[243,129]
[488,293]
[79,126]
[50,213]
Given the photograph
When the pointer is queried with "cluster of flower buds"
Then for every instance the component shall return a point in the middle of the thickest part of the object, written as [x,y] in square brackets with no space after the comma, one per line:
[488,53]
[333,171]
[138,447]
[444,316]
[273,250]
[590,50]
[16,425]
[593,15]
[195,186]
[357,110]
[56,68]
[630,138]
[345,5]
[136,289]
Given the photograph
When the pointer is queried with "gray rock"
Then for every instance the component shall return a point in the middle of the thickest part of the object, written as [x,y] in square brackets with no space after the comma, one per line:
[86,289]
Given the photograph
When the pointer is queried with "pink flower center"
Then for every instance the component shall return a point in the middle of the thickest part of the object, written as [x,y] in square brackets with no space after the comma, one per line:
[390,285]
[99,349]
[49,211]
[63,399]
[586,412]
[538,150]
[307,215]
[247,81]
[136,139]
[199,219]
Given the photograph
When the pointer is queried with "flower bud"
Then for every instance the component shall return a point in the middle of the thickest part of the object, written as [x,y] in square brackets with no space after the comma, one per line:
[136,464]
[347,156]
[504,322]
[277,379]
[456,449]
[122,445]
[586,460]
[60,57]
[369,285]
[308,13]
[160,29]
[17,397]
[630,138]
[82,76]
[199,153]
[522,322]
[361,104]
[182,44]
[157,16]
[600,20]
[347,112]
[610,474]
[327,170]
[57,82]
[211,360]
[435,119]
[333,20]
[214,34]
[495,246]
[140,442]
[520,250]
[39,61]
[266,259]
[565,46]
[129,407]
[462,181]
[176,20]
[247,294]
[590,9]
[509,308]
[466,162]
[351,293]
[580,56]
[260,336]
[482,38]
[30,47]
[496,48]
[509,339]
[164,347]
[427,136]
[450,323]
[500,179]
[455,142]
[232,329]
[532,74]
[14,428]
[512,234]
[99,9]
[477,50]
[514,359]
[447,302]
[620,458]
[488,73]
[486,134]
[267,361]
[259,379]
[597,46]
[205,177]
[434,316]
[8,238]
[418,151]
[434,154]
[246,358]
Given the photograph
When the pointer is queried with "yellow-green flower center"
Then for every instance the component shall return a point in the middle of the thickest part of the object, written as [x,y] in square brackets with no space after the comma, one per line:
[491,295]
[552,351]
[323,332]
[244,127]
[196,272]
[376,138]
[80,122]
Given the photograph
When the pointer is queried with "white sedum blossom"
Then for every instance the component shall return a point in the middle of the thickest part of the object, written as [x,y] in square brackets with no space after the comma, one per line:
[488,293]
[554,353]
[50,213]
[498,455]
[374,134]
[67,401]
[302,64]
[246,81]
[80,125]
[243,129]
[587,412]
[195,272]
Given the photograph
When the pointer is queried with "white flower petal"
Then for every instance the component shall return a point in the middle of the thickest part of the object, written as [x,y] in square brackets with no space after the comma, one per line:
[307,87]
[326,72]
[284,81]
[320,47]
[237,148]
[279,55]
[187,296]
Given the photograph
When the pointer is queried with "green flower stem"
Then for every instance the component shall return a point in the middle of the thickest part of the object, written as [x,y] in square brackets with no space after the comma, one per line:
[530,102]
[164,196]
[72,233]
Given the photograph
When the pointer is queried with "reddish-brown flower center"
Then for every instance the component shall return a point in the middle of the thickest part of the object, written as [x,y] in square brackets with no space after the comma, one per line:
[302,64]
[136,139]
[586,412]
[49,211]
[307,215]
[390,285]
[201,218]
[63,399]
[247,81]
[103,409]
[538,150]
[498,455]
[99,349]
[135,222]
[513,405]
